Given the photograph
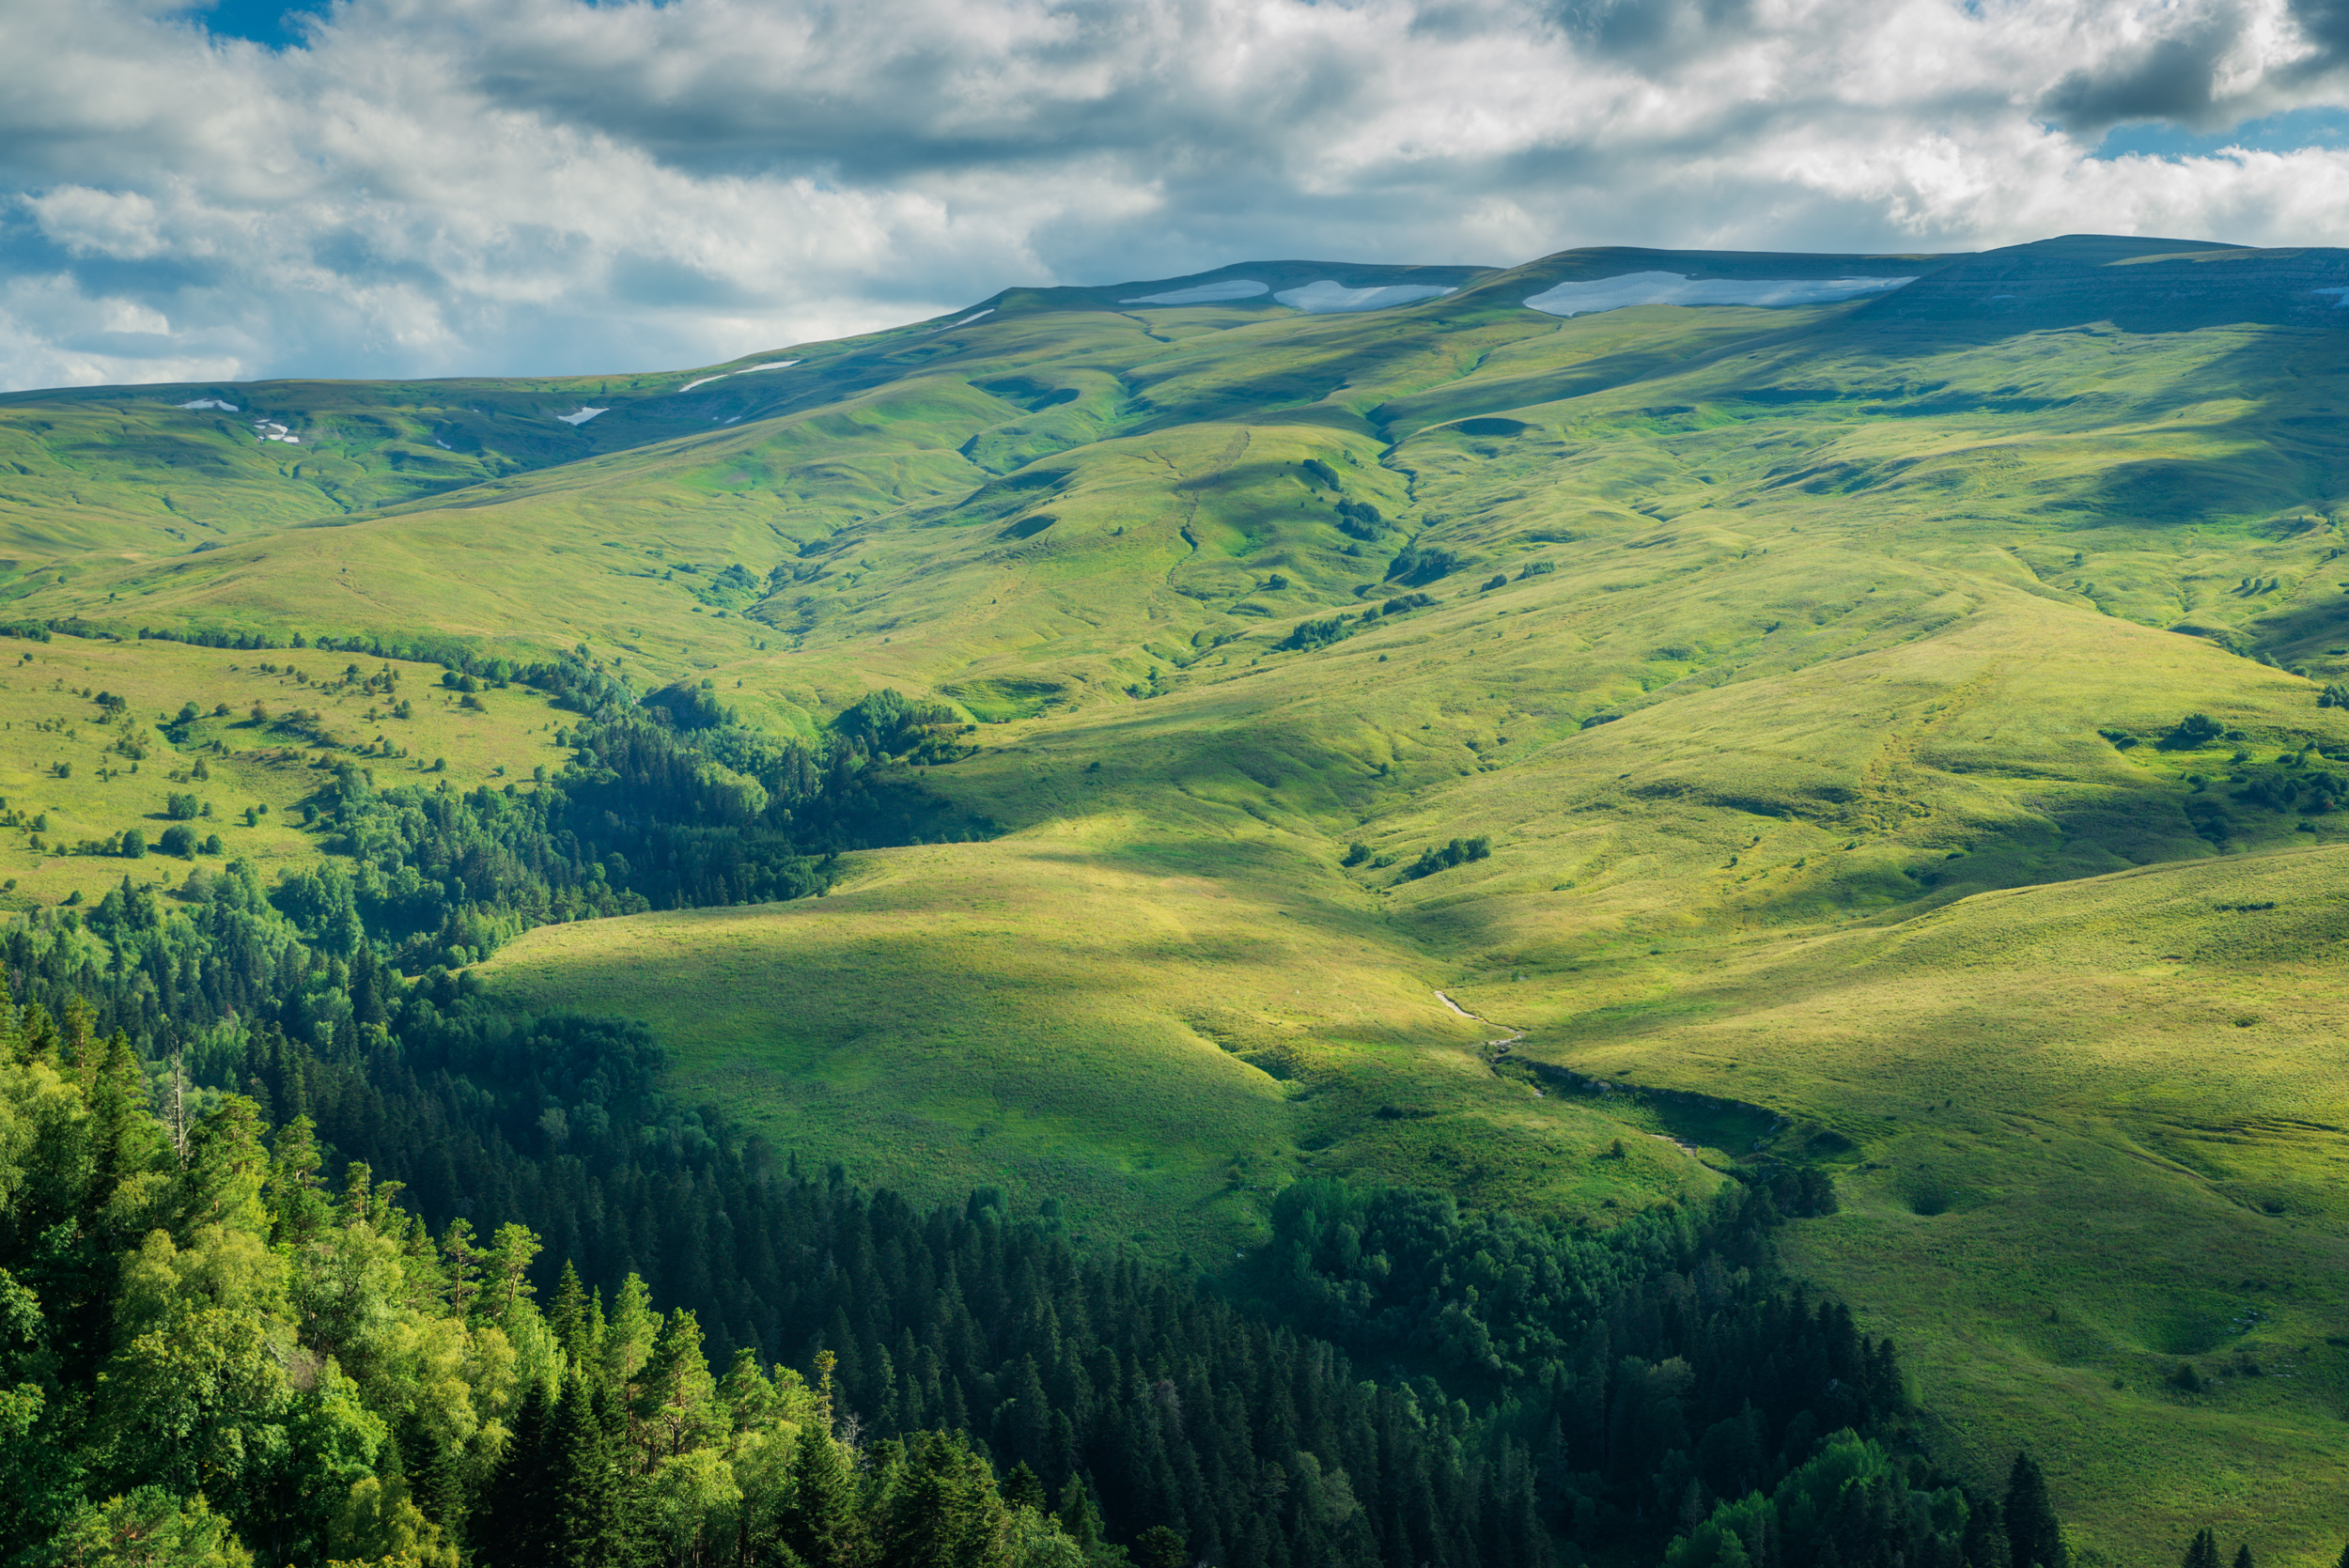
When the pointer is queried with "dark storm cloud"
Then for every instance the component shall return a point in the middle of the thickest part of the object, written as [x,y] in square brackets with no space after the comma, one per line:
[2169,79]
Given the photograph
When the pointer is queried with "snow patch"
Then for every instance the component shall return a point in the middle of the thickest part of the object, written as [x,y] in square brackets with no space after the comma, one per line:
[771,364]
[1677,288]
[1327,296]
[582,417]
[975,315]
[210,403]
[1204,293]
[269,429]
[2340,301]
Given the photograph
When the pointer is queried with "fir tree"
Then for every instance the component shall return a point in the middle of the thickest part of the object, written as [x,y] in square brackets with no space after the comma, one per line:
[2034,1535]
[2202,1551]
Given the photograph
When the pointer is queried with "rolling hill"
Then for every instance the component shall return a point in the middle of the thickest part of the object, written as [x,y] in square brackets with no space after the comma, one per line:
[1810,640]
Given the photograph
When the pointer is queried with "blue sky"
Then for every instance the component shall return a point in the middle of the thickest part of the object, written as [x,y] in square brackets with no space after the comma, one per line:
[445,187]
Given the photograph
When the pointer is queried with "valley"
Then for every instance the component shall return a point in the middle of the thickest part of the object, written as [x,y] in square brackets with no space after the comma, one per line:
[1902,735]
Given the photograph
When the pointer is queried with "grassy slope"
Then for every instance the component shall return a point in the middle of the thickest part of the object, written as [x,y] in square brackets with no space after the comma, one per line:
[1857,587]
[46,721]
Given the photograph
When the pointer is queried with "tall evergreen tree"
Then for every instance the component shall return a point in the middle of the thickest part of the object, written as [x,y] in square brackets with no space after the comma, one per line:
[819,1518]
[2034,1535]
[2202,1551]
[518,1522]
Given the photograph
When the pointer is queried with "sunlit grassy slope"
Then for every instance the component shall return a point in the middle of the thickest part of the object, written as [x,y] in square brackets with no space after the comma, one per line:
[1812,672]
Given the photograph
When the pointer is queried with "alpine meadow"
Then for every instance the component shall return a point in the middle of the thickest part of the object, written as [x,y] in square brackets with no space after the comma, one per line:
[1675,908]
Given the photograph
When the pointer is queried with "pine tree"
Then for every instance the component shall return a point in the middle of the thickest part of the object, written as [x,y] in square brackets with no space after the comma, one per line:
[1022,1489]
[2034,1535]
[1078,1516]
[675,1398]
[2243,1556]
[567,1316]
[2202,1552]
[1161,1548]
[515,1524]
[591,1527]
[818,1520]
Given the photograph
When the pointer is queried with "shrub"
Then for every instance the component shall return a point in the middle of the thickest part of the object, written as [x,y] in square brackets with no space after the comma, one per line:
[1402,603]
[1314,634]
[1498,580]
[2194,730]
[1422,563]
[1356,853]
[1443,857]
[212,844]
[1320,473]
[133,844]
[179,807]
[177,840]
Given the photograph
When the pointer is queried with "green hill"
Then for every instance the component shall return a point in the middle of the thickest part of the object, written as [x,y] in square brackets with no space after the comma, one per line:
[1816,669]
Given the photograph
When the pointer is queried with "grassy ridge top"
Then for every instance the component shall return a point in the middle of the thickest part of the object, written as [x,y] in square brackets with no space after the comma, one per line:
[1814,675]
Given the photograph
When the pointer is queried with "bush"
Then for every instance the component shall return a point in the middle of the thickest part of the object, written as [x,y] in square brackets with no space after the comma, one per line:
[1402,603]
[1443,857]
[1314,634]
[177,840]
[180,808]
[2186,1379]
[133,844]
[1423,564]
[1320,472]
[2194,731]
[1356,853]
[1499,581]
[1360,520]
[2335,695]
[212,844]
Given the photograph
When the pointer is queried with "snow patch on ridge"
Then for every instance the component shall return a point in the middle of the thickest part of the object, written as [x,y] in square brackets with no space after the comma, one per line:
[1587,297]
[1327,296]
[771,364]
[582,417]
[210,403]
[1204,293]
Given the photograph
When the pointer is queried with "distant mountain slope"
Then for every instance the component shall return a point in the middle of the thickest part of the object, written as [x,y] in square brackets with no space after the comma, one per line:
[1772,619]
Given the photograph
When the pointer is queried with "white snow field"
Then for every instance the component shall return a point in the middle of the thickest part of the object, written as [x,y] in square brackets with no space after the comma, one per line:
[1677,288]
[210,403]
[1204,293]
[1327,296]
[269,429]
[582,417]
[771,364]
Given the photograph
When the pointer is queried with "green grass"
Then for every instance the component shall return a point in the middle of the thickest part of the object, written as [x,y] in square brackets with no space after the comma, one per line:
[1794,725]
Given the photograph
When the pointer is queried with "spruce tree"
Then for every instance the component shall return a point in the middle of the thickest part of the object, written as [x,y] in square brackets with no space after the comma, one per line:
[567,1316]
[1160,1547]
[2034,1535]
[2243,1556]
[1023,1489]
[818,1520]
[2202,1551]
[514,1523]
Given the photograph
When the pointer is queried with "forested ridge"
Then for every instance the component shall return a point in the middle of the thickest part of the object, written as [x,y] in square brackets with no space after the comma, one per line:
[308,1258]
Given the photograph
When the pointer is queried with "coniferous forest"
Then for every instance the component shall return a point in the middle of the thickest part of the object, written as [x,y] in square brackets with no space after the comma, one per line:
[308,1255]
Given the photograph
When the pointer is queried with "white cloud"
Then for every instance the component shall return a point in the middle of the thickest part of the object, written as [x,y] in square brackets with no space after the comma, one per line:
[444,186]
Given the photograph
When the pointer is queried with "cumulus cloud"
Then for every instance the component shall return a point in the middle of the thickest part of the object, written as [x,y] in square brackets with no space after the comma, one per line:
[428,187]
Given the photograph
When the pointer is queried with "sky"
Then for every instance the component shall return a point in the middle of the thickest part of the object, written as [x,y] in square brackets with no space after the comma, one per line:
[194,192]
